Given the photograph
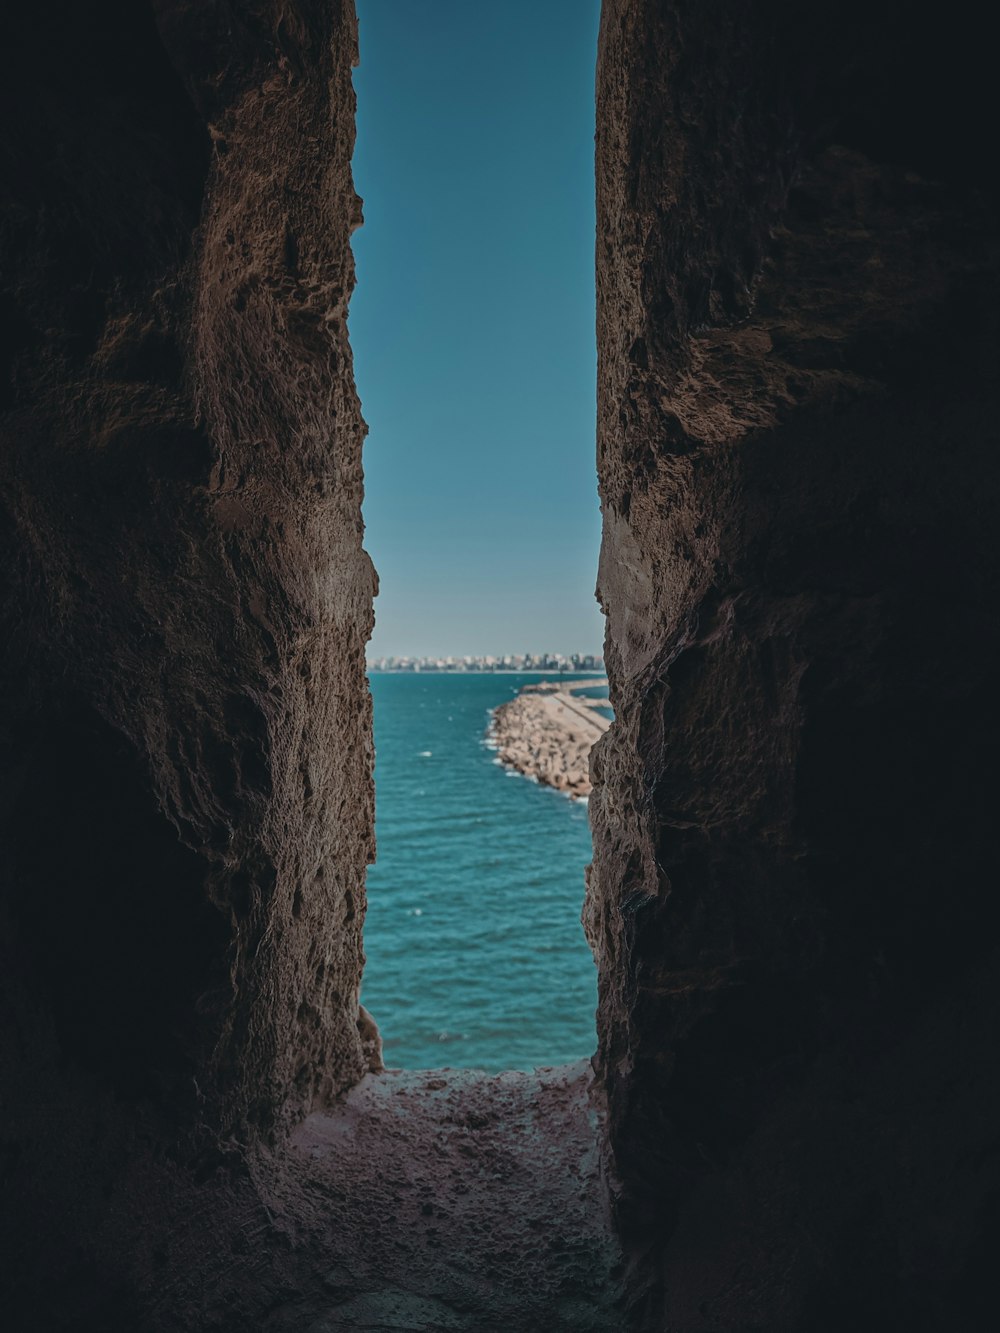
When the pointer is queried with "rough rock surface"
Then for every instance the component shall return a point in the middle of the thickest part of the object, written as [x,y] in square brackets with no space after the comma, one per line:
[186,798]
[548,734]
[791,897]
[486,1210]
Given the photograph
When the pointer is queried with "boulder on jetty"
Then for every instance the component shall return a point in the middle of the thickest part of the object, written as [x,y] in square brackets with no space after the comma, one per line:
[547,734]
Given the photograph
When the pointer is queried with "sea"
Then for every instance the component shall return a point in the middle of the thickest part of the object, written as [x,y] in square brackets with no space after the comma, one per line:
[476,958]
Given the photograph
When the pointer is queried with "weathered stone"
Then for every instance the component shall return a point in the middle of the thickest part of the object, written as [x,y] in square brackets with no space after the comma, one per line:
[182,487]
[791,897]
[186,802]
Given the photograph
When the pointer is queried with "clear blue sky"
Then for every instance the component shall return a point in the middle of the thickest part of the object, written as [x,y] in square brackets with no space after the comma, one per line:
[473,323]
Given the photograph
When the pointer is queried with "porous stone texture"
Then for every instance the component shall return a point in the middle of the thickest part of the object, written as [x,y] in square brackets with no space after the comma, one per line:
[791,896]
[486,1210]
[186,794]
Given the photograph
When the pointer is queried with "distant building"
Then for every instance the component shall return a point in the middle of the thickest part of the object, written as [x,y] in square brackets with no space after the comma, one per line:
[506,662]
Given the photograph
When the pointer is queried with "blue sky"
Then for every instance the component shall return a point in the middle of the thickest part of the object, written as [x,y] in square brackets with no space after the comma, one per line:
[473,323]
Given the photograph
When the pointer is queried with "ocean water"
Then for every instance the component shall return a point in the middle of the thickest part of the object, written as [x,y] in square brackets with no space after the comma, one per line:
[476,955]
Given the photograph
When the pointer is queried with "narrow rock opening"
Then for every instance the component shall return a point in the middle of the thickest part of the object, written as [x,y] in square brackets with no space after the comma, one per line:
[794,855]
[473,345]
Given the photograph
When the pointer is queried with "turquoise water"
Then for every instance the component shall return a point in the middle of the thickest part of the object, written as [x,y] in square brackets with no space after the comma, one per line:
[476,955]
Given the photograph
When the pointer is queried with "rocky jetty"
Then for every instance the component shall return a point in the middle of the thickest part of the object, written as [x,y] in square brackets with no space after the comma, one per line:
[547,733]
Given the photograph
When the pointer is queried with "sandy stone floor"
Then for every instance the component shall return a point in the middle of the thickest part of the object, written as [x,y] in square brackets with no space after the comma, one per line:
[455,1200]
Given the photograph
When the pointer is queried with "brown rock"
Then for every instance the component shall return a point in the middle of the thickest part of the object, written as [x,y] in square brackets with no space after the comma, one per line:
[791,891]
[186,796]
[371,1040]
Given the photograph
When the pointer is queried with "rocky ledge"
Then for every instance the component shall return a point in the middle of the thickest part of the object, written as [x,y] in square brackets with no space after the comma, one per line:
[487,1209]
[547,733]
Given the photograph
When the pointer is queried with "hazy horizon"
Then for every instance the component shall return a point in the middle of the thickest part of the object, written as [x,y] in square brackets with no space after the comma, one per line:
[472,325]
[497,653]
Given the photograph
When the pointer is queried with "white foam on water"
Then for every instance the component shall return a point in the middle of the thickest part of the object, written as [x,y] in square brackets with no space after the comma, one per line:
[425,754]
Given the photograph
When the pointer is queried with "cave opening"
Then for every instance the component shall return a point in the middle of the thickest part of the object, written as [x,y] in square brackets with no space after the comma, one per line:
[791,1121]
[472,333]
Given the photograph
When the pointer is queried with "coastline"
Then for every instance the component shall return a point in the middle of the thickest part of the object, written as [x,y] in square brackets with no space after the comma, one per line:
[546,733]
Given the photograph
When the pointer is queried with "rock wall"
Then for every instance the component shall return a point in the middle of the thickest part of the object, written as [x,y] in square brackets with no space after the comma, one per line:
[791,897]
[186,795]
[791,892]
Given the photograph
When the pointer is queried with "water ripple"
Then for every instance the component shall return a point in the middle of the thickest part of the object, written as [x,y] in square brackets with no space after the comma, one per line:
[476,956]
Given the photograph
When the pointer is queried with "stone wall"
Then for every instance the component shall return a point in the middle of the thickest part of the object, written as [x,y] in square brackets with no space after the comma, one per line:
[186,794]
[791,898]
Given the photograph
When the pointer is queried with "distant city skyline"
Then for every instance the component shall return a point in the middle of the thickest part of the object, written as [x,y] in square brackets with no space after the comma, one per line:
[487,662]
[472,323]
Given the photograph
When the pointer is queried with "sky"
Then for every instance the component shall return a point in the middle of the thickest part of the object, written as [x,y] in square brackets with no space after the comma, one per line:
[472,323]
